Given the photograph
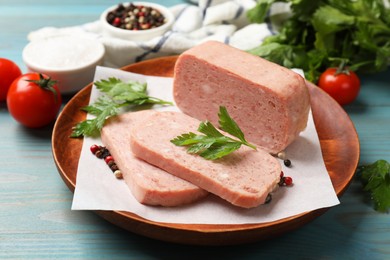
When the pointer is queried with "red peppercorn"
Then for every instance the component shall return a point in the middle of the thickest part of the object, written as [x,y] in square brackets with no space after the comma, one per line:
[108,159]
[288,181]
[281,174]
[117,21]
[94,148]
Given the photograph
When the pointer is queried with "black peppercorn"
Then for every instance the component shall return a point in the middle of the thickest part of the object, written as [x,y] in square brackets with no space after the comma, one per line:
[99,154]
[268,199]
[114,167]
[105,153]
[110,163]
[287,162]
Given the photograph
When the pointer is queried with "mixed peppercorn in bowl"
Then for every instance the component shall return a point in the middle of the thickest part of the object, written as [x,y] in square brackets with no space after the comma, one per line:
[136,21]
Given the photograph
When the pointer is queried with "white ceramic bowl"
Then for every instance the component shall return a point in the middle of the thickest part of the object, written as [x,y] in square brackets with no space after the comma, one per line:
[70,60]
[140,35]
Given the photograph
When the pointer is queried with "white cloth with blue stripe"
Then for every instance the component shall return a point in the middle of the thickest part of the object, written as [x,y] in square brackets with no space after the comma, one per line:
[220,20]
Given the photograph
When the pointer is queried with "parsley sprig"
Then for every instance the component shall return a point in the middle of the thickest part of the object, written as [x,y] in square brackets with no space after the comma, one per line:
[213,144]
[376,180]
[116,94]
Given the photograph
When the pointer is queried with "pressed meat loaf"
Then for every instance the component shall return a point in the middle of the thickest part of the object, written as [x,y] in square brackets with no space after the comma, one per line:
[269,102]
[149,185]
[244,178]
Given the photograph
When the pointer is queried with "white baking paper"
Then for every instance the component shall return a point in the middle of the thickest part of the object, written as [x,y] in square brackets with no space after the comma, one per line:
[98,189]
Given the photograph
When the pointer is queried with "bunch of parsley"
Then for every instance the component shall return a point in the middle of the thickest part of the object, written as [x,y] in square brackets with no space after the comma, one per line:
[320,33]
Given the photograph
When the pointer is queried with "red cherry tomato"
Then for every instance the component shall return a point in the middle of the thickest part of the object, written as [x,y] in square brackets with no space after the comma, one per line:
[34,100]
[8,72]
[344,87]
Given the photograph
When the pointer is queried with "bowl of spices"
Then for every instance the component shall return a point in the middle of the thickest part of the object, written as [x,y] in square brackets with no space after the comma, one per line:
[136,21]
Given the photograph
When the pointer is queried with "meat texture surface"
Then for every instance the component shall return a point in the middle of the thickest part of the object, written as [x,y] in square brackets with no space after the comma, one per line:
[244,178]
[269,102]
[149,184]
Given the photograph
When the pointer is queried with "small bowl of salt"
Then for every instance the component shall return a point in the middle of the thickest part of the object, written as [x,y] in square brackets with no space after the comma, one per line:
[71,60]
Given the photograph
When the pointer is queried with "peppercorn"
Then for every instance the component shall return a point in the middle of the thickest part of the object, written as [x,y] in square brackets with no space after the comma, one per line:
[110,17]
[117,21]
[111,163]
[118,174]
[94,148]
[281,155]
[114,167]
[105,153]
[288,181]
[285,181]
[287,162]
[268,199]
[99,154]
[120,7]
[108,159]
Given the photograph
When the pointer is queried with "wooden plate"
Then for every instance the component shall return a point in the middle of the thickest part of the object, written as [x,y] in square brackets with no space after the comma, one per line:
[339,144]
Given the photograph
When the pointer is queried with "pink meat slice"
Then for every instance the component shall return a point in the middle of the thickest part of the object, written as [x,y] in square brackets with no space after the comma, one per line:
[149,184]
[269,102]
[244,178]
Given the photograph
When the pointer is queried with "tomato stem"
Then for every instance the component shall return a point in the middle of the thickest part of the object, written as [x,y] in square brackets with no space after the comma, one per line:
[342,65]
[342,69]
[46,84]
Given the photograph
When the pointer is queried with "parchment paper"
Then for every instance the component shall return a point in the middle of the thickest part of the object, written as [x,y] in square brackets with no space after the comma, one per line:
[98,189]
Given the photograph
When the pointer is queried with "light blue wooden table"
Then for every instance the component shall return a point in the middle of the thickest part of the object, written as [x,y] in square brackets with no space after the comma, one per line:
[35,216]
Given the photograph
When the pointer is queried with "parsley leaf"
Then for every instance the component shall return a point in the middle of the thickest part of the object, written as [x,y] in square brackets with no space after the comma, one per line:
[209,129]
[213,144]
[259,12]
[116,94]
[230,126]
[221,150]
[376,180]
[85,128]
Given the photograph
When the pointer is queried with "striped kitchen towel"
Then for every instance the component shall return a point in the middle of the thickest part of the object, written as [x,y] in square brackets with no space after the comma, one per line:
[220,20]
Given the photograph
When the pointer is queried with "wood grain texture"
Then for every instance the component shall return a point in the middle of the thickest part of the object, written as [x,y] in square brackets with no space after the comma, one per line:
[339,144]
[35,217]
